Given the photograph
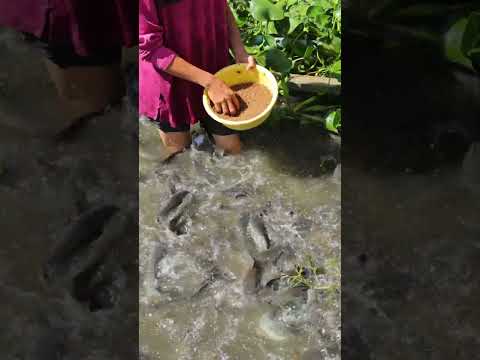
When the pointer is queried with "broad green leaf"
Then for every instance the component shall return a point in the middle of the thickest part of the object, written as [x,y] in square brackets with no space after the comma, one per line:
[337,44]
[261,58]
[308,52]
[471,35]
[240,21]
[326,4]
[270,40]
[336,69]
[314,11]
[258,40]
[282,26]
[253,50]
[291,3]
[272,29]
[297,15]
[333,121]
[264,10]
[278,61]
[295,22]
[453,43]
[299,47]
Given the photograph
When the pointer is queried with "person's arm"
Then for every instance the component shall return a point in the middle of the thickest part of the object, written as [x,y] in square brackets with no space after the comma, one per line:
[153,49]
[236,43]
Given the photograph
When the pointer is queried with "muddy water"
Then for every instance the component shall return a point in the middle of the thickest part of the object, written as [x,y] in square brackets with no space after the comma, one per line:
[297,197]
[398,278]
[41,320]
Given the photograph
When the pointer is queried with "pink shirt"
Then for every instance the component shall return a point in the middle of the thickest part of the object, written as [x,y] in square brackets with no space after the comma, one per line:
[197,31]
[88,25]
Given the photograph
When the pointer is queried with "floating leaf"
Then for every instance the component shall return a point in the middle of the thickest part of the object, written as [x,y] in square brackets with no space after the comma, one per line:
[278,61]
[264,10]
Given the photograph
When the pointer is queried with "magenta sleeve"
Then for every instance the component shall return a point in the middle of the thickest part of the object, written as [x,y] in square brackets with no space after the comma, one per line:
[151,37]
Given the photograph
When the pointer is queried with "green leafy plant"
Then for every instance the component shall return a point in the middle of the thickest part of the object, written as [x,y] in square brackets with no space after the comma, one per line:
[292,36]
[295,37]
[315,110]
[460,42]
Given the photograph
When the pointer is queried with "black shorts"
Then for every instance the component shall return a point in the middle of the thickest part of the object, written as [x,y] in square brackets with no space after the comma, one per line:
[212,127]
[64,55]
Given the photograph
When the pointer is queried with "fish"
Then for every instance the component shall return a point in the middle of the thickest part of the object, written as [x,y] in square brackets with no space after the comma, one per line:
[238,192]
[252,279]
[99,286]
[174,202]
[77,237]
[90,271]
[180,276]
[177,212]
[284,296]
[257,232]
[275,263]
[272,328]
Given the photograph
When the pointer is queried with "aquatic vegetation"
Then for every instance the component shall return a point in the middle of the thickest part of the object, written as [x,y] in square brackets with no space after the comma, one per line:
[309,274]
[451,29]
[295,37]
[292,36]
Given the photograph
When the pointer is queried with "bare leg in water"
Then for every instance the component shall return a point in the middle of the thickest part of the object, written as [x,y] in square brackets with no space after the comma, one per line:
[85,90]
[176,142]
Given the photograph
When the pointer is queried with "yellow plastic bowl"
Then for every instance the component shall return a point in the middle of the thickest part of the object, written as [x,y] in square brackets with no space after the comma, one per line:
[238,74]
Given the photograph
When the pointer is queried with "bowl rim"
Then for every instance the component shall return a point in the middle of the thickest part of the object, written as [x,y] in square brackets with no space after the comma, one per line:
[214,116]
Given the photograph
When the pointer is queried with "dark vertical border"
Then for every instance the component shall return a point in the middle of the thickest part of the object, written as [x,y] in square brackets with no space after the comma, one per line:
[410,186]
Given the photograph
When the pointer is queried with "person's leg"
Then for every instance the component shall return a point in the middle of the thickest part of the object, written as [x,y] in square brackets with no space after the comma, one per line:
[225,138]
[85,84]
[231,144]
[85,90]
[174,139]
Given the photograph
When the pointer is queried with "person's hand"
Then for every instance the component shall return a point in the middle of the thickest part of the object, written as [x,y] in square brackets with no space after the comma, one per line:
[224,99]
[246,59]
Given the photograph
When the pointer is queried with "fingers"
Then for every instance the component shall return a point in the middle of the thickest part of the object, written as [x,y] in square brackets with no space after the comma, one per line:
[231,106]
[225,108]
[218,108]
[236,101]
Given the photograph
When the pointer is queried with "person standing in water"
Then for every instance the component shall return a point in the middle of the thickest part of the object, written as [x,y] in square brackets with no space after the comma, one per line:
[82,42]
[182,43]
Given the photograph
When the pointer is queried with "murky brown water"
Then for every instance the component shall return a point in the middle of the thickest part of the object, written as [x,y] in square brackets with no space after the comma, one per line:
[300,211]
